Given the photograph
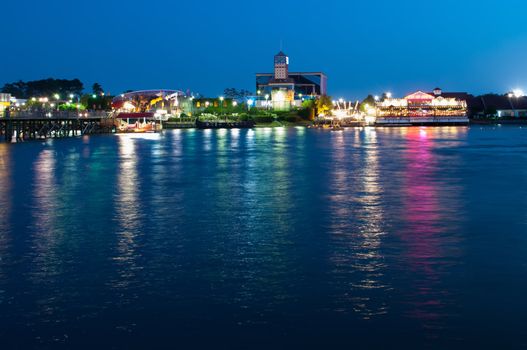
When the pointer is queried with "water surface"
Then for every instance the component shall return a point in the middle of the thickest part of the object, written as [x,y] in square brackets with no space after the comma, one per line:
[266,238]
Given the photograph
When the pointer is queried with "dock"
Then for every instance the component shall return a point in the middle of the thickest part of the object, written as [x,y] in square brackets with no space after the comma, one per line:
[40,125]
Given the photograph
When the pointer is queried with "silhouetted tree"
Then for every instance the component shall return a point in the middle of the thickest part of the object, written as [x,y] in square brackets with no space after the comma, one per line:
[44,87]
[97,89]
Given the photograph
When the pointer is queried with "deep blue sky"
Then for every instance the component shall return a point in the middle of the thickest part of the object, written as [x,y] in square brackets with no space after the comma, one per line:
[206,46]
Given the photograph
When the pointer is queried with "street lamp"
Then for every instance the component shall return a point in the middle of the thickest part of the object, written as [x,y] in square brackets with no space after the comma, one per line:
[221,106]
[250,103]
[267,101]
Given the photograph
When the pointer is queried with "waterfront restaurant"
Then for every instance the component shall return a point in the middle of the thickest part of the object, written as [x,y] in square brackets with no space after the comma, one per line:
[422,108]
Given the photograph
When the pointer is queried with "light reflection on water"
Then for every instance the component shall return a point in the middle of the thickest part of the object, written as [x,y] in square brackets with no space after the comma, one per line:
[431,211]
[358,223]
[5,214]
[129,209]
[301,236]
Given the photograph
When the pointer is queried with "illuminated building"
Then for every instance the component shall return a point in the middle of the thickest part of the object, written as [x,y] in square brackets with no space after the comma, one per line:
[153,102]
[141,111]
[422,108]
[5,102]
[282,89]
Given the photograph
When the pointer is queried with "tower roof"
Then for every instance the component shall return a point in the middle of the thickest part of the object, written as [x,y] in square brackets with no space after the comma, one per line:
[281,53]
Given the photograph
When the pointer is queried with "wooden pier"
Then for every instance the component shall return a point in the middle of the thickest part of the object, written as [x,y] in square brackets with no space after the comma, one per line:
[33,126]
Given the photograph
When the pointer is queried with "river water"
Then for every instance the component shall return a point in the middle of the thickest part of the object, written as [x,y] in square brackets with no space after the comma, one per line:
[266,238]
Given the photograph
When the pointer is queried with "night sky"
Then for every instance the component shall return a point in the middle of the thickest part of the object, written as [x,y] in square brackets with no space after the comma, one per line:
[206,46]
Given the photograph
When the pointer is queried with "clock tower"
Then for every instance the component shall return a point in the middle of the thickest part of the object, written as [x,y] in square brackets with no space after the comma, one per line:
[281,66]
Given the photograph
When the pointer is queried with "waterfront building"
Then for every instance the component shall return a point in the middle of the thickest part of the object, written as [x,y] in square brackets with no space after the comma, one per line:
[506,106]
[283,89]
[422,108]
[158,103]
[143,110]
[5,102]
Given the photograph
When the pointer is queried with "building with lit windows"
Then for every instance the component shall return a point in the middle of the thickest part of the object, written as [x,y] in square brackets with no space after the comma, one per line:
[5,102]
[283,89]
[422,108]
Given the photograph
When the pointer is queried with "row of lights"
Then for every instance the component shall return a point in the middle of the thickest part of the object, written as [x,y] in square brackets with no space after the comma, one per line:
[376,98]
[57,97]
[221,98]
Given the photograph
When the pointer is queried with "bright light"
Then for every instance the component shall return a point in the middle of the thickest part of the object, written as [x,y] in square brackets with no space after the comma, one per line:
[94,96]
[267,96]
[128,106]
[369,119]
[71,95]
[518,93]
[57,96]
[341,100]
[258,92]
[389,95]
[222,98]
[250,102]
[279,96]
[234,103]
[376,98]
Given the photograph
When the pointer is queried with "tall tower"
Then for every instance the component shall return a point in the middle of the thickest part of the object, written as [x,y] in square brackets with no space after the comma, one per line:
[281,66]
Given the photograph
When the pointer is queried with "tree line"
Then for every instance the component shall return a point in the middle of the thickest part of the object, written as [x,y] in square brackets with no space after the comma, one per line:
[44,87]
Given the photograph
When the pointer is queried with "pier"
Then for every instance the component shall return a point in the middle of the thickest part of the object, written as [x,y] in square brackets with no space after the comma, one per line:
[40,125]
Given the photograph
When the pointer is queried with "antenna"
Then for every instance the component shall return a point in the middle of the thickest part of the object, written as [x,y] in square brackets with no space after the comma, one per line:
[281,45]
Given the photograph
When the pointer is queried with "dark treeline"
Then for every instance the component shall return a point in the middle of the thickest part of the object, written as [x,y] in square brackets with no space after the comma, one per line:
[44,87]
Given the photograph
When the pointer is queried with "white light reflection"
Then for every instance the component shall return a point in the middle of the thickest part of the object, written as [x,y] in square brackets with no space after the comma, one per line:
[5,212]
[357,224]
[128,210]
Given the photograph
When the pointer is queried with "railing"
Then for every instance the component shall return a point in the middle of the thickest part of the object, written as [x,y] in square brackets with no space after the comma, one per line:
[58,115]
[421,120]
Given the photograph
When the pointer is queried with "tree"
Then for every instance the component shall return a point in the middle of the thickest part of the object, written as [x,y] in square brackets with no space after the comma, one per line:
[368,101]
[308,109]
[235,94]
[45,87]
[97,89]
[324,104]
[17,89]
